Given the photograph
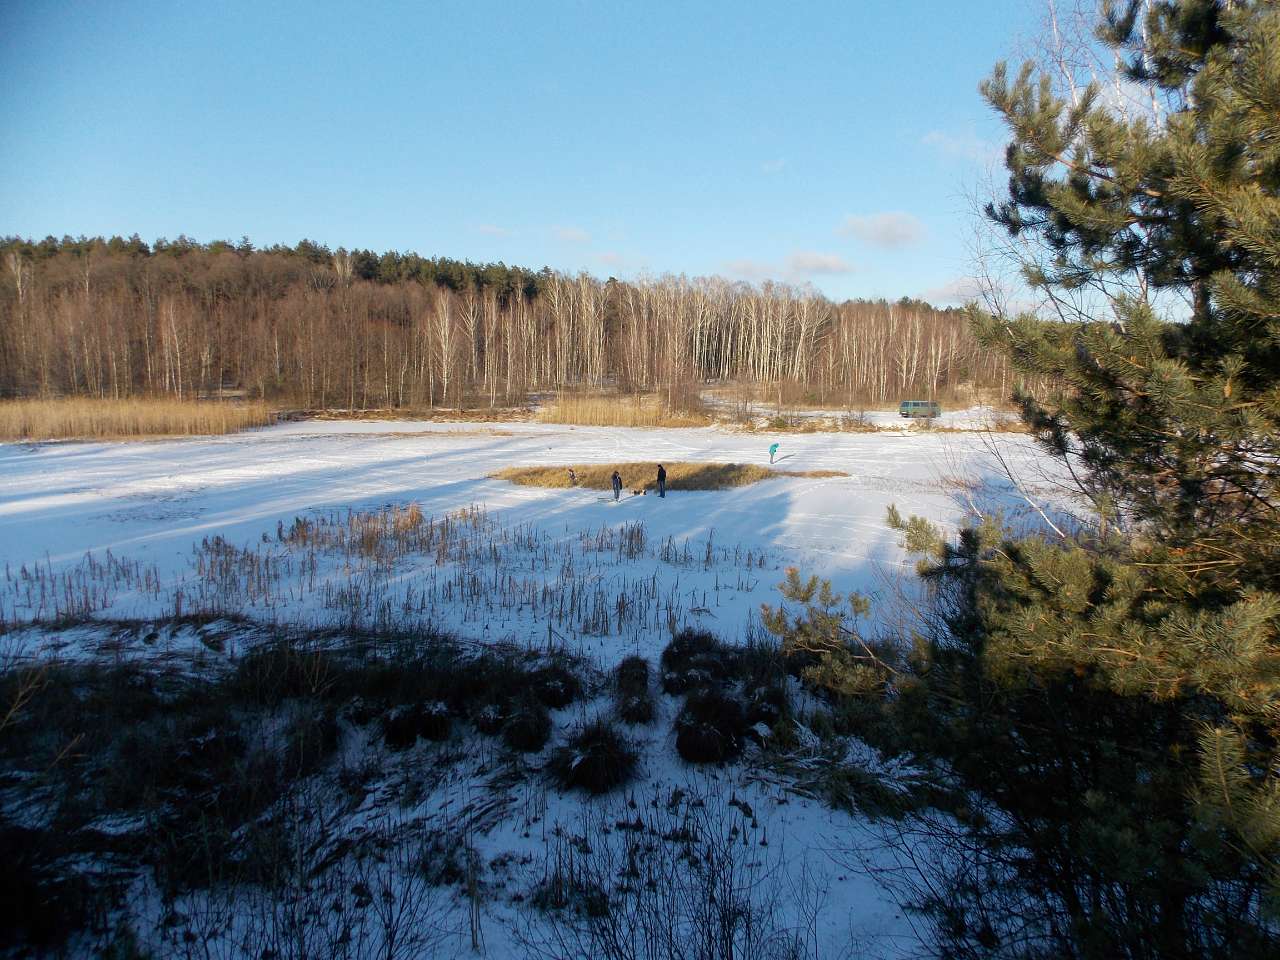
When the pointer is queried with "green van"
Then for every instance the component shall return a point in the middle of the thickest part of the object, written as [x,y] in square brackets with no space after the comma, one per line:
[919,408]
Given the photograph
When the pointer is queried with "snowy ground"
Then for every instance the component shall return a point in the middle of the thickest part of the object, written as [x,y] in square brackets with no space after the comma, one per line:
[760,414]
[708,558]
[152,502]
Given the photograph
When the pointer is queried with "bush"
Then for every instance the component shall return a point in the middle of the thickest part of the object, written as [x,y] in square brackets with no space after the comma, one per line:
[555,686]
[632,698]
[528,728]
[281,671]
[45,901]
[768,705]
[596,759]
[489,678]
[631,677]
[403,725]
[760,664]
[709,728]
[400,726]
[488,718]
[636,710]
[311,739]
[434,722]
[694,659]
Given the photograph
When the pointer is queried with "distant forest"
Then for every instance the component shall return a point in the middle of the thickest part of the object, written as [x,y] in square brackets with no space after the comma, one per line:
[324,328]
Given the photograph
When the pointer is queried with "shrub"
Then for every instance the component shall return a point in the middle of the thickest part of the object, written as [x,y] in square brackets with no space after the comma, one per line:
[400,726]
[710,727]
[488,718]
[760,663]
[555,686]
[636,710]
[596,759]
[434,722]
[528,728]
[768,705]
[280,671]
[632,676]
[311,739]
[403,725]
[489,678]
[694,659]
[44,901]
[632,698]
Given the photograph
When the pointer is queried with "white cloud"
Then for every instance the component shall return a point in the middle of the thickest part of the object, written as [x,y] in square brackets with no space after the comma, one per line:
[967,146]
[773,166]
[797,267]
[493,230]
[749,269]
[891,230]
[571,234]
[808,263]
[954,292]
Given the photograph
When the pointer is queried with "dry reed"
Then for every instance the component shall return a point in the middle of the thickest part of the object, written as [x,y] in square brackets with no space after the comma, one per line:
[80,418]
[635,476]
[618,411]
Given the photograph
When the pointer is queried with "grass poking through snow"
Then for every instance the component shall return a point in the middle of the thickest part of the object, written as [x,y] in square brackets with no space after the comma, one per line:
[81,418]
[619,411]
[636,476]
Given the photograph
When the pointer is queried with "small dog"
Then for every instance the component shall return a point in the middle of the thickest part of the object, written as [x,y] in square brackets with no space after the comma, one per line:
[639,493]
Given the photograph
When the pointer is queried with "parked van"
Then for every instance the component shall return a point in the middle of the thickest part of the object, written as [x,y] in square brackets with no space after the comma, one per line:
[919,408]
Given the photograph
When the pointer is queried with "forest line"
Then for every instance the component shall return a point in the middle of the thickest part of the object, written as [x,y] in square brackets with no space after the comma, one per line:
[305,325]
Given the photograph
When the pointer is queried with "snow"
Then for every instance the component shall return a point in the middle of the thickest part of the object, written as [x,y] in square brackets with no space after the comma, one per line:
[155,506]
[152,503]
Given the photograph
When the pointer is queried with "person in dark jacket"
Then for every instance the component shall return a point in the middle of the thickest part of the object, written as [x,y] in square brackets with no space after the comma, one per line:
[662,481]
[616,480]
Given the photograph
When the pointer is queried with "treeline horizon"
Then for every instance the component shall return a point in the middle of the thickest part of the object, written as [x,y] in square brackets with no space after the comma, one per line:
[118,317]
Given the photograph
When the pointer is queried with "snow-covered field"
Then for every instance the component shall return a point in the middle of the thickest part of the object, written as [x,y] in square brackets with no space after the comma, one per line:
[704,558]
[151,503]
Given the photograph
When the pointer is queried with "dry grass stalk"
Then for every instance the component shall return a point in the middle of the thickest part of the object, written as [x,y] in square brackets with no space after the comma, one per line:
[635,476]
[83,418]
[618,411]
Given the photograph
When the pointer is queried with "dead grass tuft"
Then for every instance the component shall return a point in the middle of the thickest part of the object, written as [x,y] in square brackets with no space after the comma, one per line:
[81,418]
[432,414]
[636,476]
[598,410]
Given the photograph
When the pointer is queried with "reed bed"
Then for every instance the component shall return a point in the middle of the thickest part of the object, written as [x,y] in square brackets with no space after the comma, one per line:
[619,411]
[397,570]
[81,418]
[638,476]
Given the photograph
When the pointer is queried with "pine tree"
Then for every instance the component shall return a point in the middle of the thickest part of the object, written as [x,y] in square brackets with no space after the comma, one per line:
[1110,700]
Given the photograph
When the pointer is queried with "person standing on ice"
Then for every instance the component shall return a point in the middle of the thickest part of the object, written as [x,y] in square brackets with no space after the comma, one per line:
[772,450]
[662,481]
[616,480]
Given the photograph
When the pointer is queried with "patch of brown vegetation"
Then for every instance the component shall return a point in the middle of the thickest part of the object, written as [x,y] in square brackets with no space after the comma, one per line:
[602,410]
[83,418]
[431,414]
[643,476]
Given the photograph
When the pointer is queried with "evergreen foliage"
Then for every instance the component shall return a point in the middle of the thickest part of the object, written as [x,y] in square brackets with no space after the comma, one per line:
[1106,698]
[823,639]
[1112,698]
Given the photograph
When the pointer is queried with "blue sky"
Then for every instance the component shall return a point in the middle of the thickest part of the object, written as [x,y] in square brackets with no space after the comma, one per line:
[821,142]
